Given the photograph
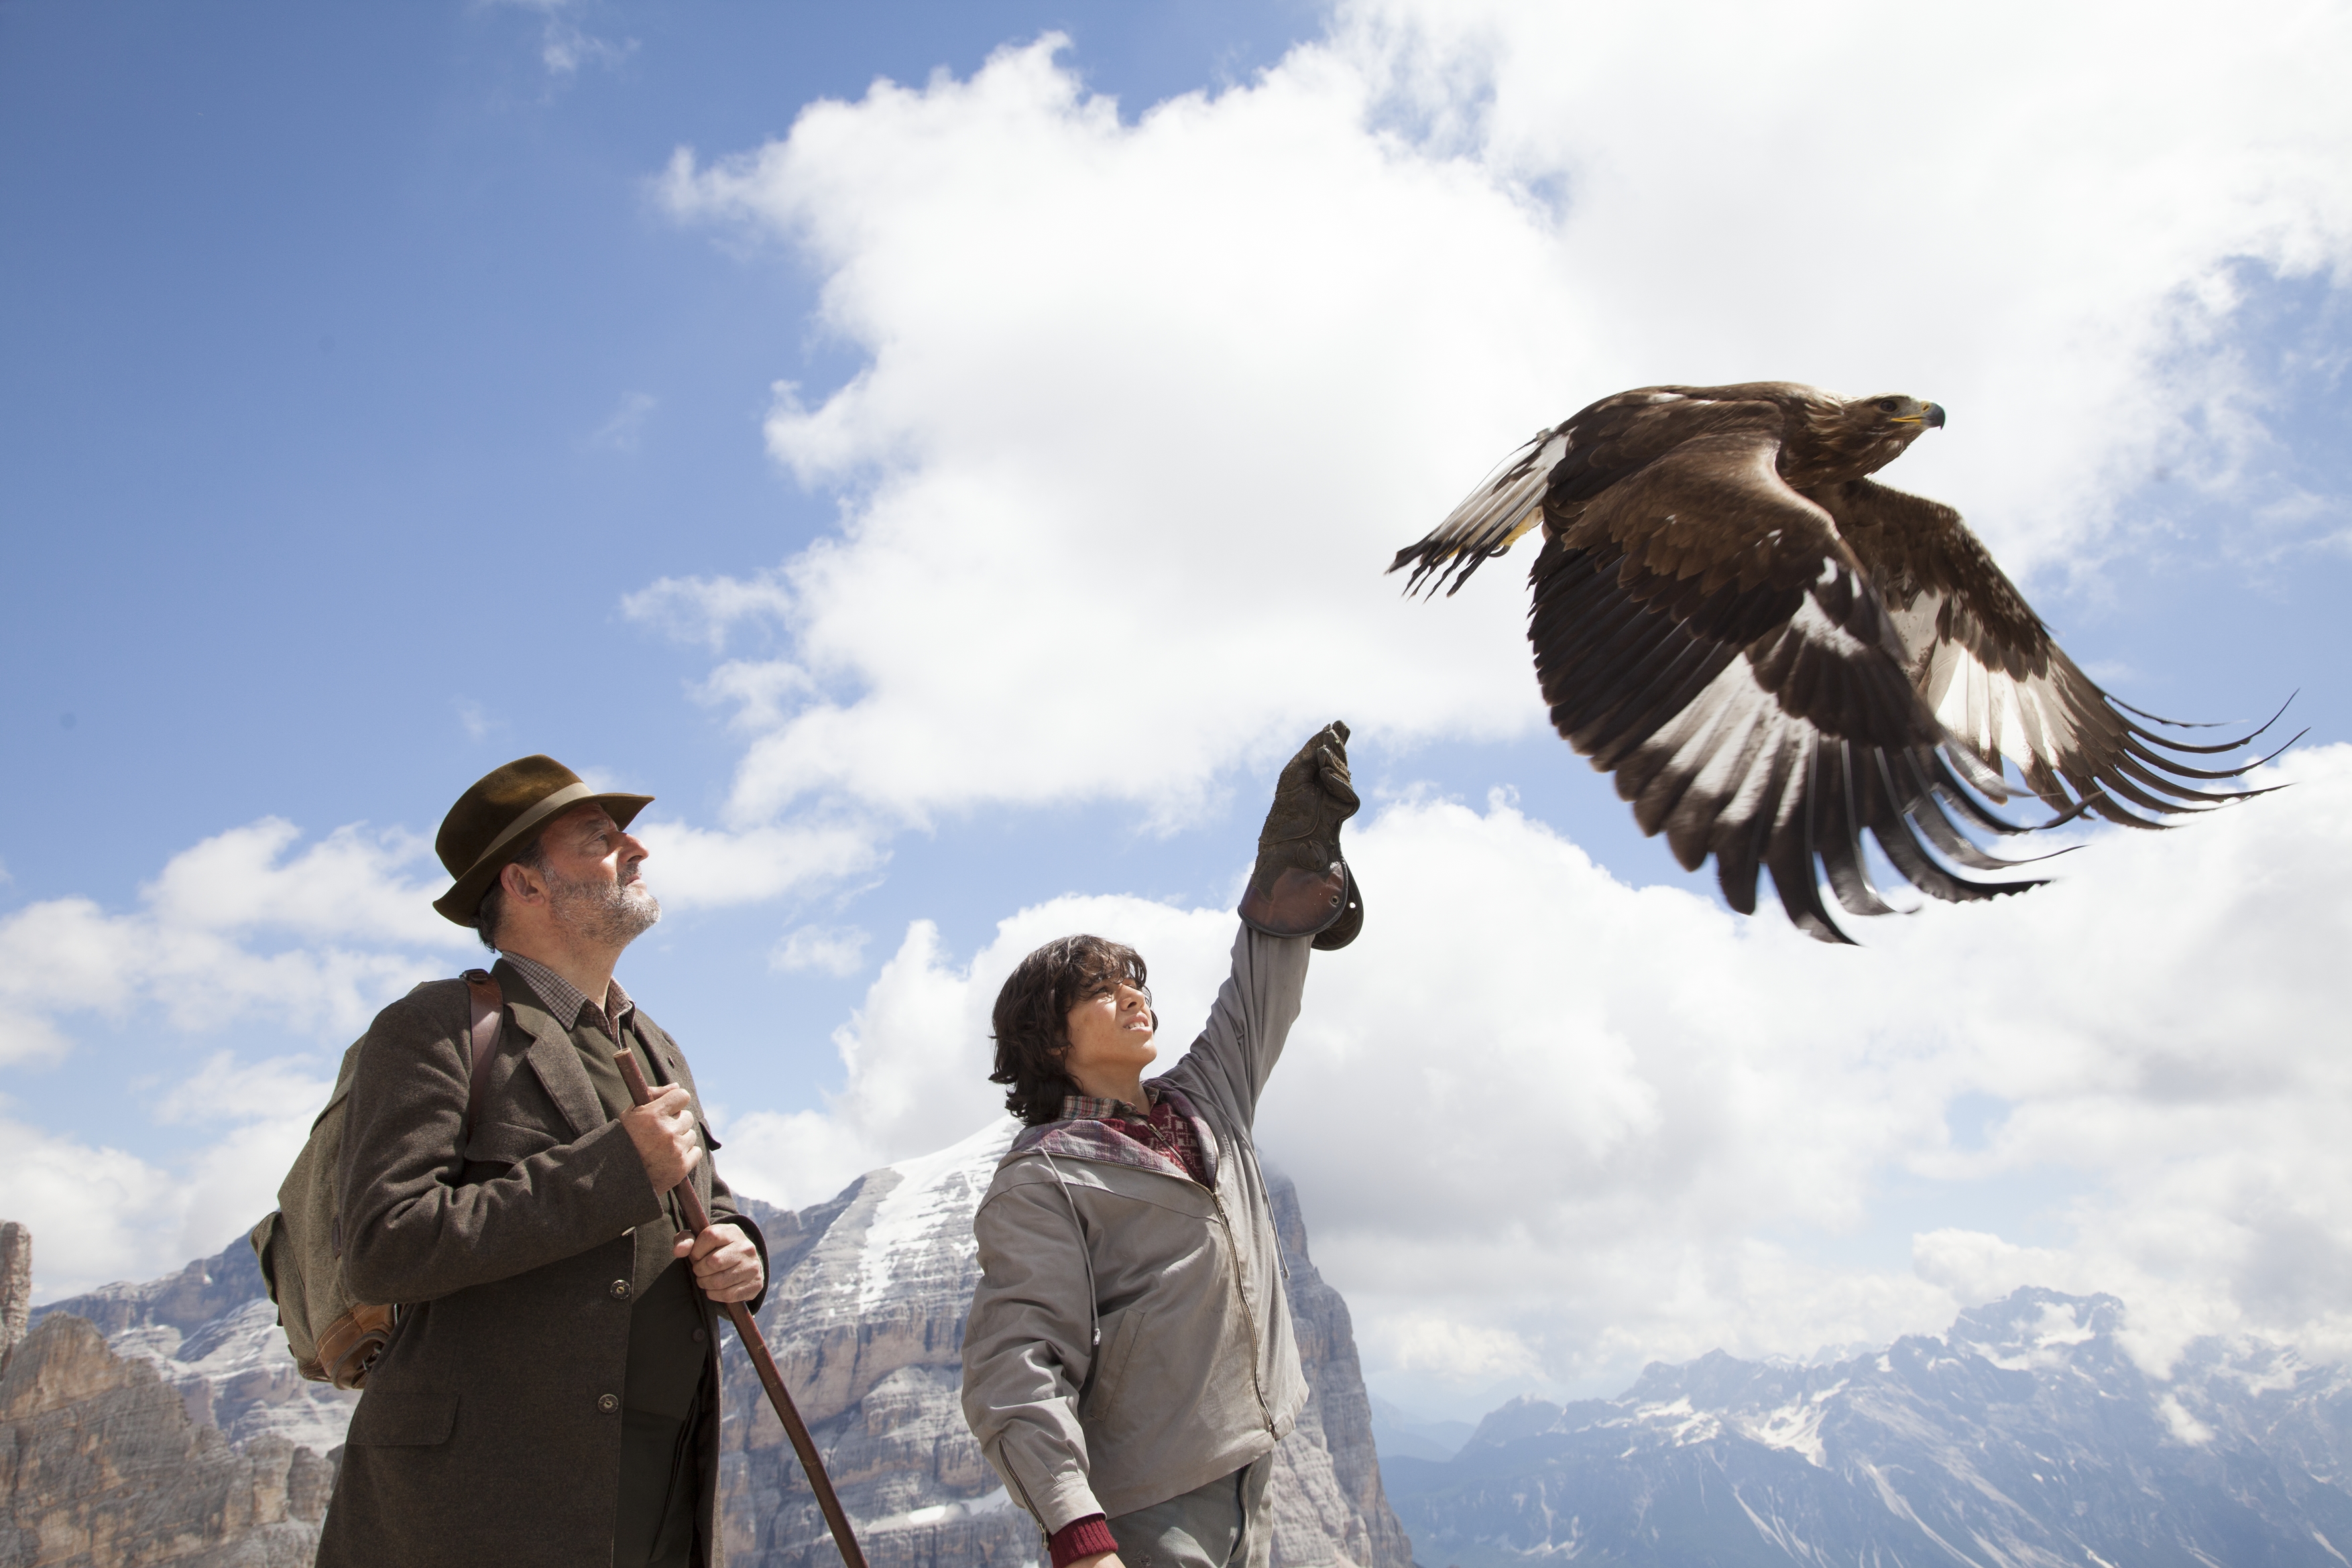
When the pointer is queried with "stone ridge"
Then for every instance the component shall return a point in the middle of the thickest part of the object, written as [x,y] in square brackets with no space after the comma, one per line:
[866,1320]
[211,1333]
[101,1468]
[1328,1503]
[15,1286]
[2024,1436]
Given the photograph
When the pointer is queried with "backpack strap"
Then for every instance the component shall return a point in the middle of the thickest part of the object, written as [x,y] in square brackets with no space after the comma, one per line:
[489,1010]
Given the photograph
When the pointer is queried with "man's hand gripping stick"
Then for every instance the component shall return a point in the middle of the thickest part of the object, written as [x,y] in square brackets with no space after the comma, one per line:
[698,1219]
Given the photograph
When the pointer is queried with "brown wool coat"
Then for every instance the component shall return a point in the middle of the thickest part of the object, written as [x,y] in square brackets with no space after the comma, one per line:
[490,1431]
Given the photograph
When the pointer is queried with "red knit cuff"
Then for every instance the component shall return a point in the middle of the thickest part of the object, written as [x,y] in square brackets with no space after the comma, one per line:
[1081,1537]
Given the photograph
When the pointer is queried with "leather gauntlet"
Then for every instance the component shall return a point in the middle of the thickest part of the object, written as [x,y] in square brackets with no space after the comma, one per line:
[1301,885]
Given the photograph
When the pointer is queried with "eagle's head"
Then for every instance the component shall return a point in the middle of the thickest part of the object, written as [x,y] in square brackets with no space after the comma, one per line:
[1850,437]
[1903,417]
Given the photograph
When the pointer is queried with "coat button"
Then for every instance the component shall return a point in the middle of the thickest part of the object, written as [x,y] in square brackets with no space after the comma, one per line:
[620,1288]
[608,1403]
[698,1336]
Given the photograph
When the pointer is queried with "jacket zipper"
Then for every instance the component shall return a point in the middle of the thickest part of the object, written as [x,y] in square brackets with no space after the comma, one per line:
[1234,1250]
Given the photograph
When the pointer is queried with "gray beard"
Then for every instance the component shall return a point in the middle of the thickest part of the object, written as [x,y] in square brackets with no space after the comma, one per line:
[604,912]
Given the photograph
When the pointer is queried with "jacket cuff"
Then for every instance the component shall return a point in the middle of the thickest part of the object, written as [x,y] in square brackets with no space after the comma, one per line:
[1061,1500]
[608,1160]
[1081,1537]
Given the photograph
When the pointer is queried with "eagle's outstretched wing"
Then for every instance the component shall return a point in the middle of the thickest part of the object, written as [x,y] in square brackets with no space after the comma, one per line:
[1567,466]
[1989,669]
[1701,632]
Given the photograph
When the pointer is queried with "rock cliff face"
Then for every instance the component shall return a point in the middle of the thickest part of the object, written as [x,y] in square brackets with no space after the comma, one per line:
[2025,1438]
[211,1333]
[1328,1503]
[100,1466]
[15,1285]
[866,1322]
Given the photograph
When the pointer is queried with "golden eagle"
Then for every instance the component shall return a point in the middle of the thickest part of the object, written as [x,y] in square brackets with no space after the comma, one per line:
[1773,654]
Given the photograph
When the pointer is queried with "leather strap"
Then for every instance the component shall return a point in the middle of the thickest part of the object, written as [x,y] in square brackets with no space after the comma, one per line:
[489,1008]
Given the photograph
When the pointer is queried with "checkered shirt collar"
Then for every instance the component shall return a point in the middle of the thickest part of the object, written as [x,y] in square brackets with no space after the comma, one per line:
[567,1001]
[1090,1108]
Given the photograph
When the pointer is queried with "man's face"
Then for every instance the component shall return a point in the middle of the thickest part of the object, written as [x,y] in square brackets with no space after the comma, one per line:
[593,879]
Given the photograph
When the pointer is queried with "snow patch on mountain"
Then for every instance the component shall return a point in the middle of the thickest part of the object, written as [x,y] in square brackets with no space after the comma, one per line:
[928,1209]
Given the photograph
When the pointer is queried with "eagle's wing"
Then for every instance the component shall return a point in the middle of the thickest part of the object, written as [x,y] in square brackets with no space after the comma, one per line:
[1989,669]
[1570,461]
[1490,519]
[1702,632]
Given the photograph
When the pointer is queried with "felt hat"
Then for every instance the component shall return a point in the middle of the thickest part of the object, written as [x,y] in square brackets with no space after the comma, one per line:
[500,816]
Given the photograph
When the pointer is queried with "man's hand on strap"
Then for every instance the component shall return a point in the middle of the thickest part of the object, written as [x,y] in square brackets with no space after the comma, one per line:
[1301,885]
[726,1265]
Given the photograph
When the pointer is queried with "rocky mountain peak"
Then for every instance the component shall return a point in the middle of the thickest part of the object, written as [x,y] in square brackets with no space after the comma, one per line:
[2035,1327]
[101,1465]
[15,1285]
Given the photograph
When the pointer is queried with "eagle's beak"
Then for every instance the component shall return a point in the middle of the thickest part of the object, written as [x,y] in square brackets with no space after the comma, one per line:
[1933,416]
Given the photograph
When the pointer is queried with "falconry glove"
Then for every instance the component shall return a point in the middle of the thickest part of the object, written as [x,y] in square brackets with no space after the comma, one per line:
[1301,885]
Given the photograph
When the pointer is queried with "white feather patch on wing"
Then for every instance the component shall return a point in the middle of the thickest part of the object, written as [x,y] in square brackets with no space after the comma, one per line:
[1992,713]
[1508,502]
[1723,742]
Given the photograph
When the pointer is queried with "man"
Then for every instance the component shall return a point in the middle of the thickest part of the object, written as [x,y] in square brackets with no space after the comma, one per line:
[1129,1363]
[551,1394]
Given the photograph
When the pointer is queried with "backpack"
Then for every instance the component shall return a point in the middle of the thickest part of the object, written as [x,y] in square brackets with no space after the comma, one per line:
[333,1338]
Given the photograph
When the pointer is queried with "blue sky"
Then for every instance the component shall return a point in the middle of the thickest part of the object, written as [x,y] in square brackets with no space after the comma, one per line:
[953,499]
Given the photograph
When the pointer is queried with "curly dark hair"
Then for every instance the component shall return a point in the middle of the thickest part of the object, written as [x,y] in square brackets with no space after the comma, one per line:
[1033,1013]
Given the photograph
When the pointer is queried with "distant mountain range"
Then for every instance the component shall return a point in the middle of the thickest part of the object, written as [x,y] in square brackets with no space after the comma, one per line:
[1402,1435]
[2024,1438]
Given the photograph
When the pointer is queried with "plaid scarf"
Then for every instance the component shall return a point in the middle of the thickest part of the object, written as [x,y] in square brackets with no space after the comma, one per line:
[1158,1126]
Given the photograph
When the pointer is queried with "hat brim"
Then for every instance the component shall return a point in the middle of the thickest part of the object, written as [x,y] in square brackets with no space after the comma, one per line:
[464,895]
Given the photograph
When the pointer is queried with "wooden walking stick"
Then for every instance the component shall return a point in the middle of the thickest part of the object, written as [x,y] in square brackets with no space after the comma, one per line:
[698,1219]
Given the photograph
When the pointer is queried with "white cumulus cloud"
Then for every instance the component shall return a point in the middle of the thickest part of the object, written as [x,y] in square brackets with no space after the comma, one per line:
[243,924]
[827,949]
[100,1214]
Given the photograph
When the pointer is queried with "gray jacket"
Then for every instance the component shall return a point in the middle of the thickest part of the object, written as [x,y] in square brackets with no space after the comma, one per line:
[1196,1371]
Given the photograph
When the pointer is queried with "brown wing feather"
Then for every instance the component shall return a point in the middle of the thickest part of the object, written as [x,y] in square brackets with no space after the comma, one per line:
[1986,665]
[1701,632]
